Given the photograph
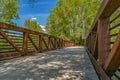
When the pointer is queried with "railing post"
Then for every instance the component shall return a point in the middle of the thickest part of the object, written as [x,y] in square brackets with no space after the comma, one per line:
[62,43]
[40,42]
[55,43]
[88,43]
[59,43]
[92,42]
[95,49]
[103,40]
[49,43]
[25,43]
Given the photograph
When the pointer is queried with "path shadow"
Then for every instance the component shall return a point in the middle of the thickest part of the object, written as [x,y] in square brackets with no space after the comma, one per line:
[63,64]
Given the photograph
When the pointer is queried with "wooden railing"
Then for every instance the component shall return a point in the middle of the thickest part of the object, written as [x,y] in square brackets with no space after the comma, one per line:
[16,41]
[103,41]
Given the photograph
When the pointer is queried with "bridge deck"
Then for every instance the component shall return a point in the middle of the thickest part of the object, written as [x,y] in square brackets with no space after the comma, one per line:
[64,64]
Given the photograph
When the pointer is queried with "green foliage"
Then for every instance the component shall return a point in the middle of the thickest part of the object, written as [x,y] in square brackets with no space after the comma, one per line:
[8,10]
[114,23]
[71,19]
[33,25]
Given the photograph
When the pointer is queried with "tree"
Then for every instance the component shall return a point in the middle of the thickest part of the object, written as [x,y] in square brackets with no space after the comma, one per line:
[70,19]
[8,10]
[33,25]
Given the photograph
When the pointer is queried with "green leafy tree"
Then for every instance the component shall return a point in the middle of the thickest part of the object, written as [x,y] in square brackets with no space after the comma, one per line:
[33,25]
[8,10]
[71,19]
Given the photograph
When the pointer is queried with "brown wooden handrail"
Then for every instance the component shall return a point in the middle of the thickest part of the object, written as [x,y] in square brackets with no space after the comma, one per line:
[101,43]
[16,41]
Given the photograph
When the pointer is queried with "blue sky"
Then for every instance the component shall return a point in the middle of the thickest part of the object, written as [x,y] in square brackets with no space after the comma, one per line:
[39,12]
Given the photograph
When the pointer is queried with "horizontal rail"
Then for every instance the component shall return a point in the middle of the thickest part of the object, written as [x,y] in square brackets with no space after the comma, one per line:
[17,41]
[100,71]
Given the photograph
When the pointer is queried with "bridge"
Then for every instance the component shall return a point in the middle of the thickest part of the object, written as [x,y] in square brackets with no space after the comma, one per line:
[39,56]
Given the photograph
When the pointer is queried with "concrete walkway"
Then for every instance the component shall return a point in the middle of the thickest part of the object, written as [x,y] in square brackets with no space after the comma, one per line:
[64,64]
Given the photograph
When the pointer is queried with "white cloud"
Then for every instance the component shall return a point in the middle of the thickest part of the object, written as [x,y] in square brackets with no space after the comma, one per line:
[34,18]
[43,27]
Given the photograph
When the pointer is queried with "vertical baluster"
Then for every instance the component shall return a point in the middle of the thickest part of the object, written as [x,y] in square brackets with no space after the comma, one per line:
[103,40]
[25,43]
